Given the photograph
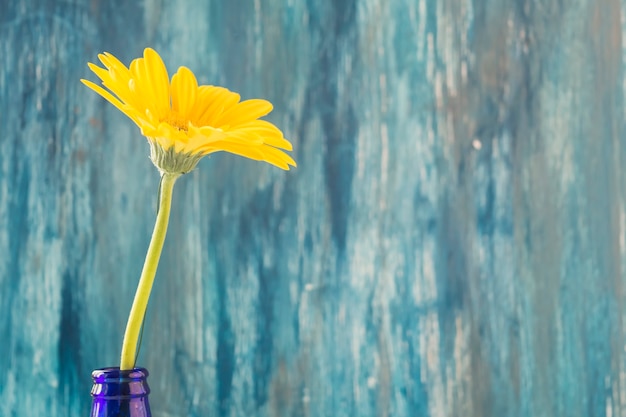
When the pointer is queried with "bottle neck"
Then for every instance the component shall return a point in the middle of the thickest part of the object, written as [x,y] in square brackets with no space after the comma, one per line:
[118,393]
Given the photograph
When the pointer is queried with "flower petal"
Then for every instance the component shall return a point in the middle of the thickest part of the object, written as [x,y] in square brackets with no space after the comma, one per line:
[244,112]
[271,134]
[277,157]
[158,80]
[111,99]
[184,92]
[236,148]
[213,102]
[265,153]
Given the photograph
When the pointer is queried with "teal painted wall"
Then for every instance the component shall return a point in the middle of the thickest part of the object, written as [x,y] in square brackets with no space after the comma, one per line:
[452,243]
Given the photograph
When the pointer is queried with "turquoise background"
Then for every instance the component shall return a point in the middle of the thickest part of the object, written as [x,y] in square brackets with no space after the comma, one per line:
[452,243]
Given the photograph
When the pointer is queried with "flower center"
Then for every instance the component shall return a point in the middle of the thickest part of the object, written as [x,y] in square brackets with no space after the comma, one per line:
[178,122]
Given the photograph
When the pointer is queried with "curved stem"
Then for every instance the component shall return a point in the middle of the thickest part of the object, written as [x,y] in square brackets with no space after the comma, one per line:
[140,303]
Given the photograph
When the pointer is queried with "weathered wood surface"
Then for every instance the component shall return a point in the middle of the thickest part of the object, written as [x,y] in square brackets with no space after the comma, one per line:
[452,243]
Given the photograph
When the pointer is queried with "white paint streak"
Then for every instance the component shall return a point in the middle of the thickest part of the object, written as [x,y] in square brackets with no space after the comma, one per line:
[425,287]
[463,367]
[430,371]
[384,165]
[382,83]
[430,57]
[422,16]
[258,35]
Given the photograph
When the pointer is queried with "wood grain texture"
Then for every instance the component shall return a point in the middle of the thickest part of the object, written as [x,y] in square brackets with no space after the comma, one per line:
[452,243]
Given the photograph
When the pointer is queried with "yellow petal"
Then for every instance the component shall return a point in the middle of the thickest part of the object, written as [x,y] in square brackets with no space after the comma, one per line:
[267,154]
[277,157]
[271,134]
[244,112]
[184,92]
[158,79]
[140,85]
[111,62]
[214,101]
[102,73]
[245,138]
[208,133]
[104,93]
[237,149]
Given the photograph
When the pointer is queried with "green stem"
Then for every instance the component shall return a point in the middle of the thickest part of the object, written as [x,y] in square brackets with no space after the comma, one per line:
[140,303]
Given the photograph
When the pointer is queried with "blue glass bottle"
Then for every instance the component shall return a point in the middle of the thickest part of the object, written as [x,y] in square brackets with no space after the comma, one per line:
[120,393]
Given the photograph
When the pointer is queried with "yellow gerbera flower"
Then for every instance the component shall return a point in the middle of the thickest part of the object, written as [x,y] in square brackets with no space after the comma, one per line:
[184,121]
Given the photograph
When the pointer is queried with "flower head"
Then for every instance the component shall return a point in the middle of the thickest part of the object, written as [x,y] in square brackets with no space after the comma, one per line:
[184,121]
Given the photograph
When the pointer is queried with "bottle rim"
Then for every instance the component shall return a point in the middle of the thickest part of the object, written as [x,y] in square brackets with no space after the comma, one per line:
[114,374]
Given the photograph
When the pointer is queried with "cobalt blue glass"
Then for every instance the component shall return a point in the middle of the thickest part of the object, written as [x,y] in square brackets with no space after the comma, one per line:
[120,393]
